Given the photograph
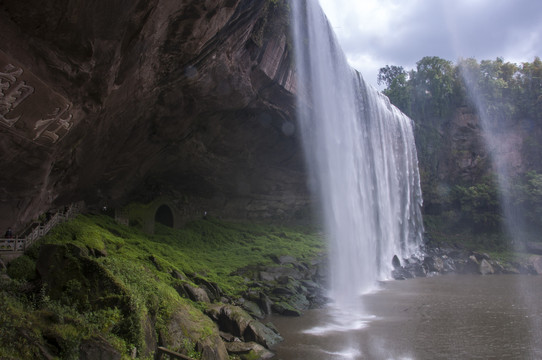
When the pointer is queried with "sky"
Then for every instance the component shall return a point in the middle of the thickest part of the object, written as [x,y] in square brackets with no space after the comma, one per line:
[376,33]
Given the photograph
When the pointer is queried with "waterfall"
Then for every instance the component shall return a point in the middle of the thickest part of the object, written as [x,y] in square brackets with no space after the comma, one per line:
[361,158]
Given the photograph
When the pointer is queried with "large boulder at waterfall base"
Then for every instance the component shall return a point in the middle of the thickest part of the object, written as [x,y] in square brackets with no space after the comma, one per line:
[434,264]
[234,320]
[485,268]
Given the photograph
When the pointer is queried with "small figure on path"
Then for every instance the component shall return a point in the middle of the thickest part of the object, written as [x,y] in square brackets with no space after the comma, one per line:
[9,234]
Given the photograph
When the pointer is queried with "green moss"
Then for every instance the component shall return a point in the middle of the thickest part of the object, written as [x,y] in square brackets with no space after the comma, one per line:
[22,268]
[138,270]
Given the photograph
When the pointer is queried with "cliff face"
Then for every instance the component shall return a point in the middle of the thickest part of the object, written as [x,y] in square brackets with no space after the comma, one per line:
[455,151]
[117,101]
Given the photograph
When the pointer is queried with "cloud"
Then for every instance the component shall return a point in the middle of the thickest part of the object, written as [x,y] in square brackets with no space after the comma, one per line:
[375,33]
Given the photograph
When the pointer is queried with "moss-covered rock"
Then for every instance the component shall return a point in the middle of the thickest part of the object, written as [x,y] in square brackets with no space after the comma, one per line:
[236,321]
[191,333]
[91,279]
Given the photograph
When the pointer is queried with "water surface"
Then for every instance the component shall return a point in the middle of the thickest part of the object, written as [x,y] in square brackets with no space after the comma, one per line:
[445,317]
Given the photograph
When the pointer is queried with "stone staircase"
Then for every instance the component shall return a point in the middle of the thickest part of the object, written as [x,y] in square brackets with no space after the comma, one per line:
[12,248]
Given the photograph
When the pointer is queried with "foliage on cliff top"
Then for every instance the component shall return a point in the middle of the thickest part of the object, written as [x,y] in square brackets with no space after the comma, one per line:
[437,86]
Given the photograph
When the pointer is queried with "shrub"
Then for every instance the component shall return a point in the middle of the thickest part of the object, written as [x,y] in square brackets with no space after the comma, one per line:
[22,268]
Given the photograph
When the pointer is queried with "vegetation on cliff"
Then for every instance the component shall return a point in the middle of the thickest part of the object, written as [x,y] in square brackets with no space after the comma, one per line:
[93,281]
[459,186]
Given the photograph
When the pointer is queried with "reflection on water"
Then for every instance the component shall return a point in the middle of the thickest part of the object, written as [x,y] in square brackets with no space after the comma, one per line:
[446,317]
[338,320]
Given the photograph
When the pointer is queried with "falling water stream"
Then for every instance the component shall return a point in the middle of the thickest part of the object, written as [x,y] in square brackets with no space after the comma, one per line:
[363,167]
[362,160]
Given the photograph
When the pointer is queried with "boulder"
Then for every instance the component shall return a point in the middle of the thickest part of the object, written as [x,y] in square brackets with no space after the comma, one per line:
[395,262]
[212,289]
[97,348]
[284,308]
[187,325]
[448,264]
[434,264]
[196,293]
[234,320]
[253,309]
[416,269]
[249,350]
[485,268]
[258,332]
[536,263]
[481,256]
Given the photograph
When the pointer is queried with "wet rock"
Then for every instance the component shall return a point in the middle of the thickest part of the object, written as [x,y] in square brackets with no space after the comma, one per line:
[401,274]
[227,337]
[253,309]
[196,293]
[178,275]
[448,264]
[248,350]
[416,269]
[497,266]
[234,320]
[485,268]
[212,289]
[182,326]
[536,263]
[265,303]
[395,262]
[97,348]
[286,309]
[434,264]
[510,269]
[258,332]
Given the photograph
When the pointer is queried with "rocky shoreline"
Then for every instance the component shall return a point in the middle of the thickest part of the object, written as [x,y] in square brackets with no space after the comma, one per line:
[287,287]
[440,260]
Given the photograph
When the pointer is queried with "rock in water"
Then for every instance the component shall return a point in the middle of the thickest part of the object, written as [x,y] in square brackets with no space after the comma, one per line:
[486,268]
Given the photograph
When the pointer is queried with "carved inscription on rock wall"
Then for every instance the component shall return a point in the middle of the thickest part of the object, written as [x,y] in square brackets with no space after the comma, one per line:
[29,108]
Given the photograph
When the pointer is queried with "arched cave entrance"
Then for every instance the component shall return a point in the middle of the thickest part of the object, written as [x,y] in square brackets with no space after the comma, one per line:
[164,216]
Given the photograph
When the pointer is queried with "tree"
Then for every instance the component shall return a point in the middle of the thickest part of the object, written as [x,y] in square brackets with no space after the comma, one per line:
[433,82]
[396,80]
[530,97]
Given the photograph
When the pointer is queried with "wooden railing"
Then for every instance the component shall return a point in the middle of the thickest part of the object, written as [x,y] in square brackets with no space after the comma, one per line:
[37,230]
[172,354]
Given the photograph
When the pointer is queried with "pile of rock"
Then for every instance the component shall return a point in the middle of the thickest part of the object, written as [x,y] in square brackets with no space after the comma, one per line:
[445,260]
[287,287]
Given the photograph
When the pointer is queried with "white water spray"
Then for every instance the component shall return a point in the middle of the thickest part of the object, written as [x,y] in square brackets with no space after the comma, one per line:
[362,160]
[494,129]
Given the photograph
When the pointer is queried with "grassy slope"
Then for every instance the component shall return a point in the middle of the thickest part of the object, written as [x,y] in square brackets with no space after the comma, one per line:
[142,264]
